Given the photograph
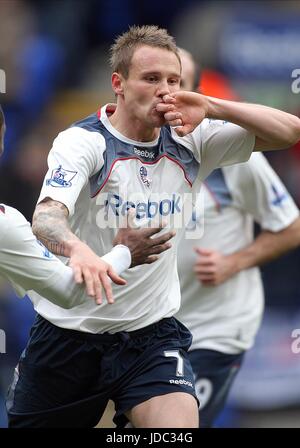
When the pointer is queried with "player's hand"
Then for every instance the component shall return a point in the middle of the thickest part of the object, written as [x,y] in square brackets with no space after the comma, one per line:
[94,272]
[213,268]
[142,242]
[185,110]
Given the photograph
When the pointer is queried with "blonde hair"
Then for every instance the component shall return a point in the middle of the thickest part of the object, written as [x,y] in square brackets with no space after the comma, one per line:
[121,52]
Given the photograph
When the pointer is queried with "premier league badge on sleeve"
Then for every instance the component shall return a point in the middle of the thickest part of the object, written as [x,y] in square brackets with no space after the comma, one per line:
[61,177]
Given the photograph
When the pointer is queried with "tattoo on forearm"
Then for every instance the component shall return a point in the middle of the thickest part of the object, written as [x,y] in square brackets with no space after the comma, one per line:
[54,247]
[51,227]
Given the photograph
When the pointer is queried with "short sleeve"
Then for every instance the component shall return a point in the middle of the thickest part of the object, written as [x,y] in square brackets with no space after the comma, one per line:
[217,143]
[75,156]
[223,143]
[259,191]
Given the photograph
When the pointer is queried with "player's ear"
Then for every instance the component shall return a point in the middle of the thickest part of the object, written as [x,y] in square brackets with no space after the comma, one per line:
[117,83]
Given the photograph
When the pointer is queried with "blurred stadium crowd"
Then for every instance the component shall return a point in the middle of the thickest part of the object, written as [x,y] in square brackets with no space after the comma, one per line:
[54,54]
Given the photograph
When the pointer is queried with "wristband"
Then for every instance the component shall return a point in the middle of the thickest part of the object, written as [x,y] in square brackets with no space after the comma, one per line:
[119,258]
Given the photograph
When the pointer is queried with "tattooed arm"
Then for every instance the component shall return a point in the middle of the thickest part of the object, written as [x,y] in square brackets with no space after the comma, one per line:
[51,227]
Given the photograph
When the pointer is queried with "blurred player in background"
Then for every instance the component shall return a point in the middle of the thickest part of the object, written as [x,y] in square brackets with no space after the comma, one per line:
[128,156]
[221,287]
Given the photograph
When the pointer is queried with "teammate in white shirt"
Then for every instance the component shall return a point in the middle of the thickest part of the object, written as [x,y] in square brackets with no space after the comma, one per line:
[119,158]
[221,287]
[29,265]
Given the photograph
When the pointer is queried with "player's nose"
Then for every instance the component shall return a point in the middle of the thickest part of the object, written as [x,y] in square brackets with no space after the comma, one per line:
[163,88]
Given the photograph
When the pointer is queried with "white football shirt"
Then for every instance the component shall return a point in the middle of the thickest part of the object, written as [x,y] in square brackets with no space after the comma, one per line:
[226,317]
[99,174]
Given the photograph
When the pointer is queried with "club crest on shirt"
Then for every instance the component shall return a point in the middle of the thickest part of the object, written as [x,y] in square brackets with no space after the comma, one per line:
[61,177]
[144,176]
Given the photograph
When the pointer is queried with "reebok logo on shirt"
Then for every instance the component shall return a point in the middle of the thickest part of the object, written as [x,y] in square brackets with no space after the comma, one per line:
[182,381]
[167,206]
[144,153]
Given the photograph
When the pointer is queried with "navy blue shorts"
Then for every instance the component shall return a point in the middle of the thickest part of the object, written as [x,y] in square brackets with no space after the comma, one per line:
[214,374]
[65,377]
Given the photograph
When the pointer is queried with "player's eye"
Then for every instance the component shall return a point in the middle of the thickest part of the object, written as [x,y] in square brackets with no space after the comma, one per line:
[151,78]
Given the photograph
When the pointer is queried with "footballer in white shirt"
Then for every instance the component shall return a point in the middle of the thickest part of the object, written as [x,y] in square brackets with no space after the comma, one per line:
[120,158]
[221,287]
[29,265]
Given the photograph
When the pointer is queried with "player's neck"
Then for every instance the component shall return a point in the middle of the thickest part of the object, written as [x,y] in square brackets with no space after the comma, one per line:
[132,127]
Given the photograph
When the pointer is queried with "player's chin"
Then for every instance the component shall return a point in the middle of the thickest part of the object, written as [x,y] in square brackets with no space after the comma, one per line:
[158,120]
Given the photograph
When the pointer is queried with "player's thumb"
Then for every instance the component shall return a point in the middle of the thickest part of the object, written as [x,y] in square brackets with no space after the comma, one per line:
[181,131]
[115,277]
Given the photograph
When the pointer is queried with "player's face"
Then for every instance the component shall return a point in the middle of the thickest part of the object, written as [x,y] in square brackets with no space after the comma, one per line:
[154,72]
[188,72]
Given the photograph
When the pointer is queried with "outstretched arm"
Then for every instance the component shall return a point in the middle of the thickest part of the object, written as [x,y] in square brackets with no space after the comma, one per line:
[273,128]
[51,227]
[28,265]
[213,268]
